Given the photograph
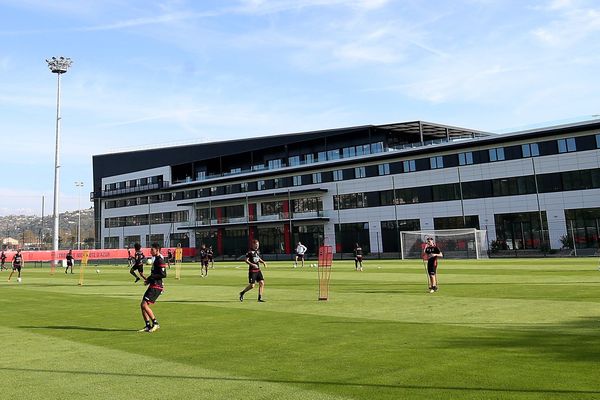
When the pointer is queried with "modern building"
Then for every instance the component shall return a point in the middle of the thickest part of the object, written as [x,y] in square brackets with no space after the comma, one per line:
[529,189]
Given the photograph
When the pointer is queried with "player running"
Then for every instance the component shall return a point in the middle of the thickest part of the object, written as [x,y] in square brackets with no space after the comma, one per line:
[2,261]
[155,289]
[358,257]
[300,250]
[203,261]
[253,259]
[130,259]
[17,264]
[431,253]
[69,261]
[138,263]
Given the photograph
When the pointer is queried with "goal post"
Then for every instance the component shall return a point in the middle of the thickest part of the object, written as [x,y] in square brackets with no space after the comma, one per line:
[454,243]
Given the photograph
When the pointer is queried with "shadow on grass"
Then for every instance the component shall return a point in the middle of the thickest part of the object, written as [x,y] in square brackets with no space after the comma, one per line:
[78,328]
[576,340]
[540,391]
[200,301]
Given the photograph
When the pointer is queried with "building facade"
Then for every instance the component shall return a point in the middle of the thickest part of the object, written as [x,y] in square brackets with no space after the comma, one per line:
[363,184]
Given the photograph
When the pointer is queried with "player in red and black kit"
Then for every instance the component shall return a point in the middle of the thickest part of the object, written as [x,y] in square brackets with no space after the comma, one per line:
[155,289]
[431,252]
[211,256]
[130,258]
[17,263]
[138,263]
[358,257]
[203,261]
[253,259]
[2,261]
[170,258]
[69,261]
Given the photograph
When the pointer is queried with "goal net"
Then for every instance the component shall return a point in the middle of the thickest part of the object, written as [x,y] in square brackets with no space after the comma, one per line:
[454,243]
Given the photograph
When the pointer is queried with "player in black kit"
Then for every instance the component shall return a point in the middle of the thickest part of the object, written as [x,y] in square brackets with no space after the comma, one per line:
[358,257]
[69,261]
[431,253]
[155,289]
[138,263]
[203,261]
[17,263]
[253,259]
[2,261]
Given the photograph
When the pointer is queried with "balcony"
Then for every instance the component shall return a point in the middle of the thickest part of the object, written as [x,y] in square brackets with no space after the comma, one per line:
[134,189]
[260,219]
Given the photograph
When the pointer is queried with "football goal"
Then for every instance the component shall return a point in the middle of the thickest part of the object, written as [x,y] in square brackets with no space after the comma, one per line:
[454,243]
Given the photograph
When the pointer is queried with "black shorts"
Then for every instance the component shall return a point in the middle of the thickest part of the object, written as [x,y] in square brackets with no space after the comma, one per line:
[152,294]
[255,276]
[139,268]
[358,258]
[204,263]
[69,263]
[432,266]
[17,268]
[300,256]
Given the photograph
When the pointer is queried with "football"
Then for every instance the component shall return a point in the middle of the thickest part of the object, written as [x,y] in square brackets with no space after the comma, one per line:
[19,280]
[149,261]
[97,271]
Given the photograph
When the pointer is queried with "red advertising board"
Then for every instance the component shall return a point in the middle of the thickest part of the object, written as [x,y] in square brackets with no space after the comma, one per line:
[94,254]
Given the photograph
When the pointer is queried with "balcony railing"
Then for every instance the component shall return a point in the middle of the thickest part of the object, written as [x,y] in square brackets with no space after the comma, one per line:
[135,189]
[284,216]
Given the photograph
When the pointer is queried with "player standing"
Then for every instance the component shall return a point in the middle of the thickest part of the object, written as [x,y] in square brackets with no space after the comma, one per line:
[253,259]
[300,250]
[358,257]
[431,252]
[203,261]
[130,258]
[17,264]
[170,258]
[2,261]
[211,256]
[155,288]
[69,261]
[138,263]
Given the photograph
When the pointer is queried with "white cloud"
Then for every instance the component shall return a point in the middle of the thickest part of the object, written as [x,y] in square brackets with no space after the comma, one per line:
[572,24]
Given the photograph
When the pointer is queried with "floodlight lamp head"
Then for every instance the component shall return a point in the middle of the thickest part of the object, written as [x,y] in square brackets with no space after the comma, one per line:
[59,65]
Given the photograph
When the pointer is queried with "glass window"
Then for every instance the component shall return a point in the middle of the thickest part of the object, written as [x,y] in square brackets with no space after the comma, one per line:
[436,162]
[566,145]
[377,147]
[261,184]
[465,158]
[278,183]
[294,160]
[316,177]
[383,169]
[348,151]
[497,154]
[309,158]
[277,163]
[363,150]
[297,180]
[333,154]
[409,166]
[258,167]
[530,150]
[359,172]
[338,175]
[244,186]
[322,156]
[598,141]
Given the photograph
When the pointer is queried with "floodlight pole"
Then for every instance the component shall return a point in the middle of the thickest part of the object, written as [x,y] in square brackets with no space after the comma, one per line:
[58,66]
[79,185]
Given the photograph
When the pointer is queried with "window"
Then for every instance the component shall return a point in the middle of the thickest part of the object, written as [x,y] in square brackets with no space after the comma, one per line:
[297,180]
[359,172]
[278,183]
[409,166]
[273,164]
[316,177]
[200,175]
[293,161]
[566,145]
[530,150]
[377,147]
[261,184]
[598,141]
[244,186]
[384,169]
[338,175]
[348,151]
[213,191]
[321,156]
[363,150]
[436,162]
[465,158]
[497,154]
[309,158]
[333,154]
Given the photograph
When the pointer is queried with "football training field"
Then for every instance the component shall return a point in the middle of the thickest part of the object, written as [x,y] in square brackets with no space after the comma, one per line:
[497,329]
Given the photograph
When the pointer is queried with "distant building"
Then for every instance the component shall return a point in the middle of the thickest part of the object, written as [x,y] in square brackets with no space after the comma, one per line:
[10,243]
[360,184]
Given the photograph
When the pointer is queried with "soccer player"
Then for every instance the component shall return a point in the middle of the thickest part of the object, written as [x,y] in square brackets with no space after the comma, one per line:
[358,257]
[203,261]
[211,256]
[2,261]
[130,258]
[431,252]
[138,263]
[155,288]
[69,261]
[300,250]
[253,259]
[17,264]
[170,258]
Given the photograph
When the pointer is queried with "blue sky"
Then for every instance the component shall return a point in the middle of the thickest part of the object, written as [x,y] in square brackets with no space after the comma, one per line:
[154,73]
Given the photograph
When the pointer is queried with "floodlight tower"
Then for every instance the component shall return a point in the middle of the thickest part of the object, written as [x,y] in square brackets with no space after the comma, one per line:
[58,66]
[79,184]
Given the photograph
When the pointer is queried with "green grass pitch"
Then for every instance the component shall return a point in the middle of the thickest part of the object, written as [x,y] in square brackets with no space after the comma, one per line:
[497,329]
